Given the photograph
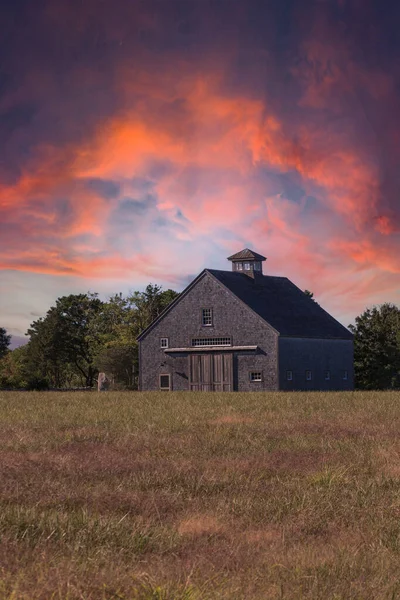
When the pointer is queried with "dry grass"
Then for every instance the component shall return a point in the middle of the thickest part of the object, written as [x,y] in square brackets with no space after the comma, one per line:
[199,496]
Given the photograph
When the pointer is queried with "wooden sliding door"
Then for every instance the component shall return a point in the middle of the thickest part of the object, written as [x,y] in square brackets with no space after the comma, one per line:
[211,372]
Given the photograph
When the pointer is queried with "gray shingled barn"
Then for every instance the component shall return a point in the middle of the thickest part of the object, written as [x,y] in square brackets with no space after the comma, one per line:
[242,330]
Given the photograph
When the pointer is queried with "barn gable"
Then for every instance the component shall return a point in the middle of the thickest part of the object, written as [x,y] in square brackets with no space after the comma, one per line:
[237,334]
[188,289]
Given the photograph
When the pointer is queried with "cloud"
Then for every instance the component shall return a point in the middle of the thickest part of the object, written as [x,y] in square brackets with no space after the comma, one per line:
[148,143]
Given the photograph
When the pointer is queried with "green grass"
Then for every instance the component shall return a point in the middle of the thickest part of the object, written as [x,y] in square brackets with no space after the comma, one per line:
[161,496]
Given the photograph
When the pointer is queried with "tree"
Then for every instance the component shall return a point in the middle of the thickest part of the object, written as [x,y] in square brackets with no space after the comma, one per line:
[118,361]
[310,295]
[377,348]
[64,339]
[5,340]
[81,335]
[148,305]
[13,369]
[117,326]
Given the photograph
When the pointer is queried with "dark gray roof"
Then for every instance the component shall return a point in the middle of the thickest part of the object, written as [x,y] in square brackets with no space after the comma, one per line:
[283,305]
[246,254]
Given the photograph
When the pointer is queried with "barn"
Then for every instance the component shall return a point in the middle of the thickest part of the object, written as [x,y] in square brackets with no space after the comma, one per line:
[241,330]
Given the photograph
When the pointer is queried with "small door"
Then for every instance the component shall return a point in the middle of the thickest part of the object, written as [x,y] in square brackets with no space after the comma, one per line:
[165,382]
[211,372]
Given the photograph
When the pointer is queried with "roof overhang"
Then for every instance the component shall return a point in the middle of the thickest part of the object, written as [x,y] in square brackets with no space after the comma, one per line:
[210,349]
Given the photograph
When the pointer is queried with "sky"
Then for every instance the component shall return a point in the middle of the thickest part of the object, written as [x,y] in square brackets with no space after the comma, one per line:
[145,141]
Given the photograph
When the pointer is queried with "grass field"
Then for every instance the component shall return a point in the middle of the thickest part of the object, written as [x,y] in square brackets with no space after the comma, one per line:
[199,496]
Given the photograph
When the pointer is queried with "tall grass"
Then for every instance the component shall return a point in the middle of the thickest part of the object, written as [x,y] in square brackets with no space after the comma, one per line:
[199,496]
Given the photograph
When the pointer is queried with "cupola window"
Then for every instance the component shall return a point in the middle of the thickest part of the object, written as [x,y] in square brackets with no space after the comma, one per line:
[248,261]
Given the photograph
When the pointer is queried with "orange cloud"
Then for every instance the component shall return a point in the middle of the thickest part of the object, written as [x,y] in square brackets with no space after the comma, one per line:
[209,130]
[52,262]
[203,151]
[225,139]
[366,253]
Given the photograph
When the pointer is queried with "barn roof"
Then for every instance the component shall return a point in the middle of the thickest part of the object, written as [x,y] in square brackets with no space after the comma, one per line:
[247,254]
[283,305]
[276,300]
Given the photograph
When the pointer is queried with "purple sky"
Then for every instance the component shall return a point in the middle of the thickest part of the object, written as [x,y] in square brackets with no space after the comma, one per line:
[144,141]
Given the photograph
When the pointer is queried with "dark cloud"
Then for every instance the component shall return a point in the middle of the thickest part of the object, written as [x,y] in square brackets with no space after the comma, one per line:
[105,189]
[129,207]
[180,122]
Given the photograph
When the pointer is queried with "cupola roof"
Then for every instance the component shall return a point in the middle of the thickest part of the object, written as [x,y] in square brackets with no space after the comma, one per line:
[246,254]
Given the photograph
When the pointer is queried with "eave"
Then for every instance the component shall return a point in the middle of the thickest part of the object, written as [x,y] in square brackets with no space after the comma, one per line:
[209,349]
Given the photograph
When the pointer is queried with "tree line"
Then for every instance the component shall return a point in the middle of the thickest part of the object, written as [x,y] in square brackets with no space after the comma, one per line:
[81,336]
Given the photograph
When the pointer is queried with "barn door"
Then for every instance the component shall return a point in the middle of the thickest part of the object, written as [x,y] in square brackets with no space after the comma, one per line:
[206,383]
[194,362]
[210,372]
[227,378]
[218,373]
[201,372]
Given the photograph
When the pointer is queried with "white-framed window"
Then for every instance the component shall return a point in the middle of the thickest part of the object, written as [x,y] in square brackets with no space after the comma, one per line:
[289,375]
[247,267]
[207,317]
[239,267]
[163,342]
[255,376]
[345,375]
[327,375]
[165,382]
[221,341]
[308,375]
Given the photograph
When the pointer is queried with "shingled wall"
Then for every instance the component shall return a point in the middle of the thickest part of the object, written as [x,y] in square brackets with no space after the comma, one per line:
[230,318]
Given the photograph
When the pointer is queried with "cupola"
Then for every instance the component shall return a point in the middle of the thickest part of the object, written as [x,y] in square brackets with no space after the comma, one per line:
[248,262]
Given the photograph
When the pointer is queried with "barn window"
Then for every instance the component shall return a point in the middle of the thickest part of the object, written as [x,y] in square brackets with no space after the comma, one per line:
[327,375]
[239,267]
[207,317]
[221,341]
[247,267]
[255,376]
[164,343]
[257,266]
[289,375]
[345,375]
[165,382]
[308,375]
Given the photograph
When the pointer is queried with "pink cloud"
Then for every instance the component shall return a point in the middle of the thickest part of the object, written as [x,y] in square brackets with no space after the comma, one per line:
[214,156]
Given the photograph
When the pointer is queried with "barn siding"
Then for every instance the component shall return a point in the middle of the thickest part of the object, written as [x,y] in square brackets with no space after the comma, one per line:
[318,355]
[230,318]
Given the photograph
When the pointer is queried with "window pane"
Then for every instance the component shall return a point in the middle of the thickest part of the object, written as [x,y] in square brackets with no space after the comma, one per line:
[255,376]
[207,316]
[247,266]
[222,341]
[164,381]
[289,375]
